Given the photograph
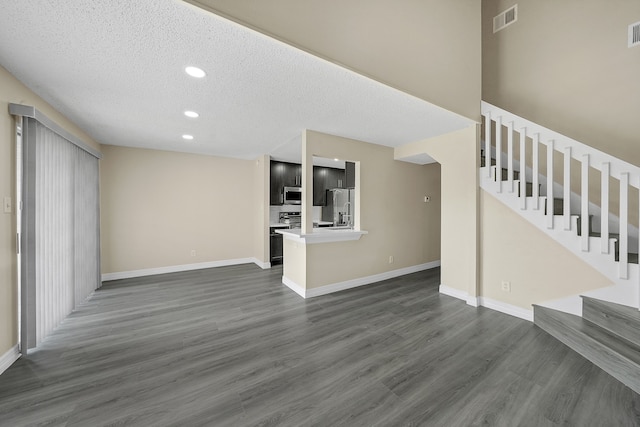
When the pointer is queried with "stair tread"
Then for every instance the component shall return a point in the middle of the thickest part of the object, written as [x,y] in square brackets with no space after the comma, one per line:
[623,310]
[619,357]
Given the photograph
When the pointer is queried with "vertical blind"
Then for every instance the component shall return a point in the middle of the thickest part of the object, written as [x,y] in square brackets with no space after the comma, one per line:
[61,226]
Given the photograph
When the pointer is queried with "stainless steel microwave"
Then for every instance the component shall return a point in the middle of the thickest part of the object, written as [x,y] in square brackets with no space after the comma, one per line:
[292,195]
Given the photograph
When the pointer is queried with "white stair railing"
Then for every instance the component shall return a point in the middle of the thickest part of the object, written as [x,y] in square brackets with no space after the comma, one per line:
[588,157]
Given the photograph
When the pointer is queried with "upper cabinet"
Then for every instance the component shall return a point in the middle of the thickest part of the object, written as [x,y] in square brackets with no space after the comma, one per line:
[325,178]
[285,174]
[282,175]
[335,178]
[350,175]
[319,185]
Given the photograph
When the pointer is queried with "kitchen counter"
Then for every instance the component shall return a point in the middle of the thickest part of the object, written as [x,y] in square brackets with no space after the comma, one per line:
[278,225]
[322,235]
[319,224]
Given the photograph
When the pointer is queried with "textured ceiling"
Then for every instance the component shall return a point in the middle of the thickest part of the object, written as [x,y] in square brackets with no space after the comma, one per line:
[115,68]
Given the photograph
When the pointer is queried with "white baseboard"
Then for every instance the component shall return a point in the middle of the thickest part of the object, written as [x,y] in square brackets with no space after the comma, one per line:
[354,283]
[185,267]
[8,358]
[503,307]
[492,304]
[262,265]
[456,293]
[294,287]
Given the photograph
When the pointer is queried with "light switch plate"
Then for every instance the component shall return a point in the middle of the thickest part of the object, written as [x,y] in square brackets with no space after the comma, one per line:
[7,204]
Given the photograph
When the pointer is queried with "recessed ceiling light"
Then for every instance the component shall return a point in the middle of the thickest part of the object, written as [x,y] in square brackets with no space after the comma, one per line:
[195,72]
[191,114]
[187,137]
[336,160]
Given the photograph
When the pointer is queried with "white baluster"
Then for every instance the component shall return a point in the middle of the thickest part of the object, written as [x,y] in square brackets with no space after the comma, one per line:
[550,201]
[604,207]
[510,157]
[487,142]
[523,169]
[566,210]
[584,211]
[536,169]
[624,225]
[499,153]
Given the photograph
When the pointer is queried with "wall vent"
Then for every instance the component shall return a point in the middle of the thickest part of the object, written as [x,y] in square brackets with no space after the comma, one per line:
[505,19]
[634,34]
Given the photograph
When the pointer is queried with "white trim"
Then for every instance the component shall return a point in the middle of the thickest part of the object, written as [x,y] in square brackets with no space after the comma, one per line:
[354,283]
[503,307]
[489,303]
[453,292]
[262,265]
[294,287]
[473,301]
[9,357]
[184,267]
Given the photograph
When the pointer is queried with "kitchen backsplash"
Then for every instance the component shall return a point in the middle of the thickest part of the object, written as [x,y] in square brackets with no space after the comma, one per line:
[274,212]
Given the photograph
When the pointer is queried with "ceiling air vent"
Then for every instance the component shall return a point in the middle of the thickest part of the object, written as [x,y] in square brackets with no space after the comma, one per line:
[634,34]
[505,19]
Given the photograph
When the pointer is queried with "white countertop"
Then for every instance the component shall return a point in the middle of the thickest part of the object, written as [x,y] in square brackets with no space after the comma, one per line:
[283,225]
[278,225]
[323,235]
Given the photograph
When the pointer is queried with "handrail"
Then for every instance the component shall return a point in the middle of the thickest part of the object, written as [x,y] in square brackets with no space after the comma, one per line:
[597,157]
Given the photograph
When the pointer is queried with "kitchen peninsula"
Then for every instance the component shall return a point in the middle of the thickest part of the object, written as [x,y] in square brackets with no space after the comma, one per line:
[317,261]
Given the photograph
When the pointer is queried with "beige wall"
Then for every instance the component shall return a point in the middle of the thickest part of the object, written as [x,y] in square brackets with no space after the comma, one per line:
[538,268]
[12,91]
[392,210]
[458,155]
[295,269]
[566,66]
[428,48]
[261,182]
[158,206]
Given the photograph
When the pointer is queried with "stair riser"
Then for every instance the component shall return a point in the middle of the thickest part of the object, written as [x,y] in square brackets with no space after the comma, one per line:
[624,323]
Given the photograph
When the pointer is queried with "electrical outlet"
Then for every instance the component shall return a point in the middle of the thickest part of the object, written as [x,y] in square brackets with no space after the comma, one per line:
[506,286]
[390,259]
[193,252]
[7,204]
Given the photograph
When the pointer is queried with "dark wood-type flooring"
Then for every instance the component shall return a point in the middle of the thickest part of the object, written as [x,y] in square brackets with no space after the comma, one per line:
[232,346]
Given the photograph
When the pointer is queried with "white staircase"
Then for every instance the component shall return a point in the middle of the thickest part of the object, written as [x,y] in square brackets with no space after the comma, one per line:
[514,171]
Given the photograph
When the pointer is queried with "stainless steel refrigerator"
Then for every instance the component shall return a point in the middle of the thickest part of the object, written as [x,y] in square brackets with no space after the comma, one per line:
[340,207]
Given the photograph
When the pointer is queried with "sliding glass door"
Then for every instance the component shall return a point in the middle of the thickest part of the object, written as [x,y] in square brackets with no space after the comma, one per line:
[60,243]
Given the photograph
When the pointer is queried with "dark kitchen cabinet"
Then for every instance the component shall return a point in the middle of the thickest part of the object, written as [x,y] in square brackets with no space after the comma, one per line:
[319,185]
[292,175]
[275,246]
[285,174]
[282,175]
[335,178]
[323,179]
[350,175]
[277,183]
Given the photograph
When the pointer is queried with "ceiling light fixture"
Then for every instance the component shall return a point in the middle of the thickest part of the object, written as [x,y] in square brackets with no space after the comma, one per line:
[191,114]
[187,137]
[336,160]
[195,72]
